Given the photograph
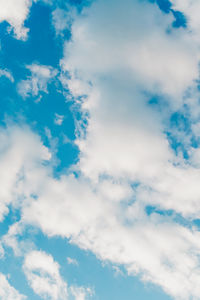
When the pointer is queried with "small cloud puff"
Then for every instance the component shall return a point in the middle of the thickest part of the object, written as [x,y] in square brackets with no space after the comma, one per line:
[72,261]
[37,82]
[58,120]
[81,293]
[7,74]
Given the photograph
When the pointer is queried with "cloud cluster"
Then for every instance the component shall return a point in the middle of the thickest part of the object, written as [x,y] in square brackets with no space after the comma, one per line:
[120,56]
[153,247]
[138,56]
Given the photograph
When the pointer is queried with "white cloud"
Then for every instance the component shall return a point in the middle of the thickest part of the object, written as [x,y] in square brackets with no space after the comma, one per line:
[118,52]
[20,154]
[81,293]
[44,277]
[133,31]
[58,119]
[10,239]
[37,82]
[112,225]
[153,247]
[62,19]
[2,252]
[15,13]
[72,261]
[8,292]
[7,74]
[121,62]
[112,46]
[13,240]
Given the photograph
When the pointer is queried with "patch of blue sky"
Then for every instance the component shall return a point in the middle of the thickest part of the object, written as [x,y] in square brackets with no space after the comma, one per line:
[179,128]
[80,4]
[166,6]
[177,125]
[40,46]
[9,219]
[171,215]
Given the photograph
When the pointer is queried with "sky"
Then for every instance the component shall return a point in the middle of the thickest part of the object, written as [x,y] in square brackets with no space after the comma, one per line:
[99,150]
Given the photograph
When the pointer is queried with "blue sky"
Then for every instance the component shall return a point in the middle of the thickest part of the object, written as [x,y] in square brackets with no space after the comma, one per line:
[99,150]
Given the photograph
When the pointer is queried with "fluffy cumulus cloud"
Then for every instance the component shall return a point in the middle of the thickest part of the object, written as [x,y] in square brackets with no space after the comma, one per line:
[16,15]
[119,67]
[133,195]
[120,55]
[154,247]
[21,155]
[7,292]
[43,275]
[129,45]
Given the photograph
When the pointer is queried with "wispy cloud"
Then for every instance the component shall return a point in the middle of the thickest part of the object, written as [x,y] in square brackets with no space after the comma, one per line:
[47,282]
[72,261]
[37,82]
[7,74]
[58,119]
